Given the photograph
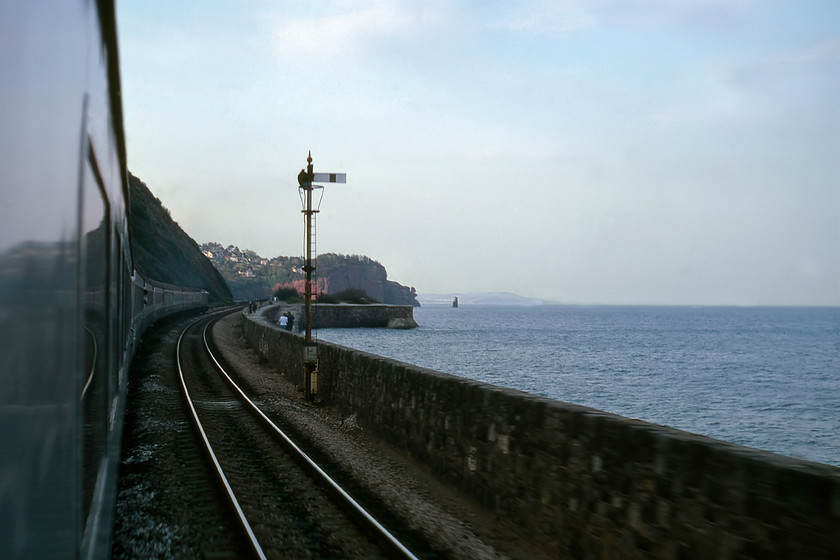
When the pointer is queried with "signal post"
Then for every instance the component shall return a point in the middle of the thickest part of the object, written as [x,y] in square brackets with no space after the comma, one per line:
[306,186]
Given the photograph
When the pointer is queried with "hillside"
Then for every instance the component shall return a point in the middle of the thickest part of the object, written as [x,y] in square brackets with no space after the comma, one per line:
[251,276]
[163,252]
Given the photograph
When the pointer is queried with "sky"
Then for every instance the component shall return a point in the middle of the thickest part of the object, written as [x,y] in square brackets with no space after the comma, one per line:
[673,152]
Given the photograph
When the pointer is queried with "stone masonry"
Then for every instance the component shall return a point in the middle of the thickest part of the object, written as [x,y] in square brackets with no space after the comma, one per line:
[584,483]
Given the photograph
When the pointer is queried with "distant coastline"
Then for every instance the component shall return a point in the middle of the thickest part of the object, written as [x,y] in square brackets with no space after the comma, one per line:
[508,299]
[482,298]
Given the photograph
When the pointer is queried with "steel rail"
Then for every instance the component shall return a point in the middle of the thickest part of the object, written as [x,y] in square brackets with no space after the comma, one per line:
[231,496]
[381,531]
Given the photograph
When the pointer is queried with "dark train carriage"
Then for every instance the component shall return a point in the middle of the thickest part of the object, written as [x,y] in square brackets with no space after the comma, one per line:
[71,303]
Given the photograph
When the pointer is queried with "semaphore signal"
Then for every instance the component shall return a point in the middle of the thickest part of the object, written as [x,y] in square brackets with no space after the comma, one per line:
[306,180]
[330,177]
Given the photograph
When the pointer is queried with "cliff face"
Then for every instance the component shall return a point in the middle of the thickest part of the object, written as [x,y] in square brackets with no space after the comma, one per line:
[397,294]
[343,272]
[370,278]
[163,252]
[374,283]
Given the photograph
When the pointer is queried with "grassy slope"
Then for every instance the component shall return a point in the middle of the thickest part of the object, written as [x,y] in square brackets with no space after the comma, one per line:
[163,252]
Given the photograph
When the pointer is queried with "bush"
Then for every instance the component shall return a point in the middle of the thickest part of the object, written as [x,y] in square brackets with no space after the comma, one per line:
[326,298]
[288,294]
[354,295]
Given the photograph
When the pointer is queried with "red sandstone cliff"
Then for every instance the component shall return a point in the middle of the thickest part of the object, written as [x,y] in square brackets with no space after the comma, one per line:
[333,276]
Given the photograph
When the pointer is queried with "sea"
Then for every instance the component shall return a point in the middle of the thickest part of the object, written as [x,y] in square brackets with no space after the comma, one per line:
[764,377]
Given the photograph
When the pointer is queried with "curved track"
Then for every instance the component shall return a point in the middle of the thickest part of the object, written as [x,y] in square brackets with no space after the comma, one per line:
[286,504]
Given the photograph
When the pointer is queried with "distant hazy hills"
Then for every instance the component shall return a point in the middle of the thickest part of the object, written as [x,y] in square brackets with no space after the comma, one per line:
[490,298]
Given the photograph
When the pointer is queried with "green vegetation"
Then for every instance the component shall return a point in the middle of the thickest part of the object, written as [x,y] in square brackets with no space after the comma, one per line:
[287,294]
[251,276]
[163,252]
[353,295]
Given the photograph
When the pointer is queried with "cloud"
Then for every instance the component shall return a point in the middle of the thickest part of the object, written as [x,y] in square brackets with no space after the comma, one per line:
[828,50]
[548,17]
[565,16]
[685,14]
[820,56]
[349,28]
[766,89]
[676,139]
[804,81]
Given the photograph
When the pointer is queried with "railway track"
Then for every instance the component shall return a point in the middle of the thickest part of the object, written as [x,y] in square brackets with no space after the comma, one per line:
[284,503]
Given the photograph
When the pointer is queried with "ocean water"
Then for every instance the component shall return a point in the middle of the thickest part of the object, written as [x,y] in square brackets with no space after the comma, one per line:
[763,377]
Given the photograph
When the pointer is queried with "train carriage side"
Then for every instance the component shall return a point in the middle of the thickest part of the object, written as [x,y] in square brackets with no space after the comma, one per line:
[71,304]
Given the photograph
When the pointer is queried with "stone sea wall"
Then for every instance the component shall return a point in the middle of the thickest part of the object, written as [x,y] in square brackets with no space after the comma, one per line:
[580,482]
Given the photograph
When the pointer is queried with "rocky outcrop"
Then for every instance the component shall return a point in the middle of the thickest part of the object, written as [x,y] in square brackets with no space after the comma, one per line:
[251,276]
[373,279]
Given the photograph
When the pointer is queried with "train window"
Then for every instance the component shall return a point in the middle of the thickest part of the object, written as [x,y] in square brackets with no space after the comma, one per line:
[125,314]
[114,310]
